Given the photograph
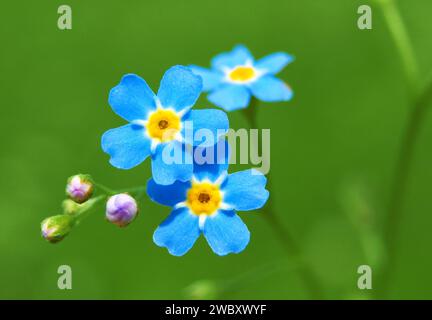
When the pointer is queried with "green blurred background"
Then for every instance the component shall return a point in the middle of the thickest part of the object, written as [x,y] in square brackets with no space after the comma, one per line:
[333,152]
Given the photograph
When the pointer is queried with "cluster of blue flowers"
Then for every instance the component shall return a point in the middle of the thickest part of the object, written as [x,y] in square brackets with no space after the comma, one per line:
[204,198]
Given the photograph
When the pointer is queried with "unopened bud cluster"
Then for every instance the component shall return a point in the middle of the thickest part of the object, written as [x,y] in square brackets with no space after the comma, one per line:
[79,189]
[121,209]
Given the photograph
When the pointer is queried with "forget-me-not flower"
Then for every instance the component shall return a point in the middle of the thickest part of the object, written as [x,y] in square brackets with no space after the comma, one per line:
[235,76]
[207,205]
[158,121]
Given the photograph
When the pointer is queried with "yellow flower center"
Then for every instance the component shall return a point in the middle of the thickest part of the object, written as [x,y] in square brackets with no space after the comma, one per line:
[242,74]
[204,198]
[163,125]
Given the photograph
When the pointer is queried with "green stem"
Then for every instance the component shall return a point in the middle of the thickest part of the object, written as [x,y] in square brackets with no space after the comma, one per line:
[420,100]
[138,190]
[403,44]
[109,191]
[87,207]
[256,274]
[401,175]
[250,113]
[104,188]
[290,246]
[292,249]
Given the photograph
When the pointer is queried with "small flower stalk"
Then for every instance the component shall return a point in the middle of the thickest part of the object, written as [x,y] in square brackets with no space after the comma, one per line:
[79,188]
[70,207]
[55,228]
[121,209]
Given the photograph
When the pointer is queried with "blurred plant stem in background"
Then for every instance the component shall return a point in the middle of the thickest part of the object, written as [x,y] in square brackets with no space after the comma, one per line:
[217,289]
[402,41]
[358,207]
[289,244]
[419,99]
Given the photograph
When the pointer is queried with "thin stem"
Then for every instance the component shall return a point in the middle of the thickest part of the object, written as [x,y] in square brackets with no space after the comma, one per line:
[256,274]
[250,113]
[104,188]
[420,99]
[219,288]
[292,250]
[290,246]
[110,191]
[138,190]
[402,41]
[401,175]
[86,208]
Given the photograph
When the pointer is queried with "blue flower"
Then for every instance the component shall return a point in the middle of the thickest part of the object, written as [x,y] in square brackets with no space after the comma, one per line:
[158,124]
[207,204]
[235,77]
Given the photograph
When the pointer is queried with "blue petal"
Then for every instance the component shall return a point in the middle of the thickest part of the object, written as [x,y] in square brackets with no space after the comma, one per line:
[211,79]
[168,195]
[132,98]
[226,233]
[178,232]
[128,146]
[245,190]
[270,89]
[179,88]
[238,56]
[218,156]
[170,162]
[230,97]
[204,127]
[274,63]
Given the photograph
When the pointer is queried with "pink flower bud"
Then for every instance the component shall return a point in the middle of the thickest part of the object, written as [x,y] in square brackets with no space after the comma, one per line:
[55,228]
[121,209]
[79,188]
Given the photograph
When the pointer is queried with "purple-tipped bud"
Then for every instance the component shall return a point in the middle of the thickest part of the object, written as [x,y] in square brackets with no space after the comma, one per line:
[121,209]
[55,228]
[79,188]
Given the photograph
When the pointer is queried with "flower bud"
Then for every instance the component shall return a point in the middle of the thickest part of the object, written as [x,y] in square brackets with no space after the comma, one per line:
[79,188]
[121,209]
[55,228]
[202,290]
